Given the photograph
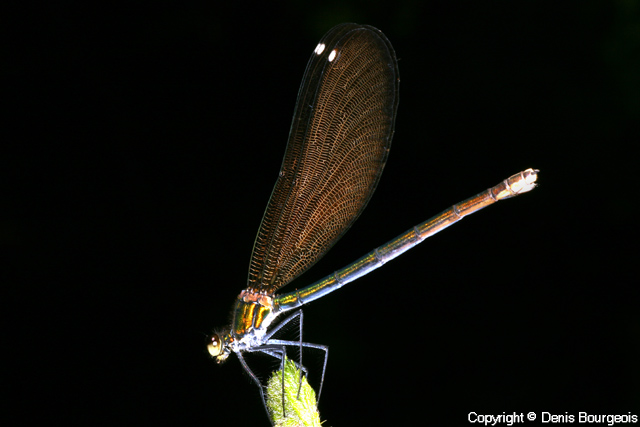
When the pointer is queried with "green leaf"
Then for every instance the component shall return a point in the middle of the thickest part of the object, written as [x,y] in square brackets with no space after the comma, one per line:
[299,410]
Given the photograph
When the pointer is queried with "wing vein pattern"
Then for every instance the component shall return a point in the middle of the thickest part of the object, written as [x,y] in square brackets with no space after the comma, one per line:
[338,145]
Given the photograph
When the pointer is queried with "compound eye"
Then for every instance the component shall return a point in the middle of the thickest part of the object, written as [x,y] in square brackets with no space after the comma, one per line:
[215,346]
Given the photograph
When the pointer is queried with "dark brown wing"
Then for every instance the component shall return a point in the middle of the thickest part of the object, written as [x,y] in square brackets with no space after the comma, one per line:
[338,145]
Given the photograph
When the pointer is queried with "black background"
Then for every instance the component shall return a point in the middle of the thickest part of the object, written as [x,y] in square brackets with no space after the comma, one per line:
[141,147]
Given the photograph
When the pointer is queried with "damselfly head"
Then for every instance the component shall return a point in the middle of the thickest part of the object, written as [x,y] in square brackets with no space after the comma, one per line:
[218,348]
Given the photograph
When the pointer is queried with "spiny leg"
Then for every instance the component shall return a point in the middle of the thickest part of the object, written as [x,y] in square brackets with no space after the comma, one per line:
[277,351]
[256,380]
[278,343]
[297,314]
[300,344]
